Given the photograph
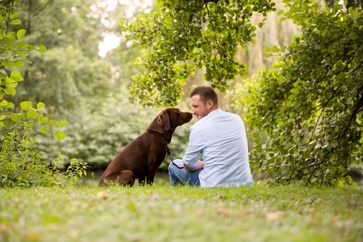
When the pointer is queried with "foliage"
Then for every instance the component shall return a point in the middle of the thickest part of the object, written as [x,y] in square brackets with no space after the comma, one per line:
[181,36]
[76,169]
[348,3]
[21,162]
[69,78]
[71,70]
[310,105]
[260,213]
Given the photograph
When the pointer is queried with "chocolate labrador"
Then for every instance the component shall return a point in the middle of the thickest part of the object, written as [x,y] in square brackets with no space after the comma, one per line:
[142,157]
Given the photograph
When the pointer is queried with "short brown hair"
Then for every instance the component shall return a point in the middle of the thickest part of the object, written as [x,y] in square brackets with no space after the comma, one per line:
[206,93]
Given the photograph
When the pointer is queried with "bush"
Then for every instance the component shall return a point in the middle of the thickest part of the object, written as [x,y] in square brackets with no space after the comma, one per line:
[21,163]
[306,112]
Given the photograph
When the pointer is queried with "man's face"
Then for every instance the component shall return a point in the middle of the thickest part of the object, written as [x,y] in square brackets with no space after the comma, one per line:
[199,108]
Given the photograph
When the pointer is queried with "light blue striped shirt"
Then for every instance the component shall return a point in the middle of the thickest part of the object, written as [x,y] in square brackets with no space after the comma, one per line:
[220,138]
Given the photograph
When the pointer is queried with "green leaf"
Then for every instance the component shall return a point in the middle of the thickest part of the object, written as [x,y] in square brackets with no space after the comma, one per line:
[44,129]
[18,64]
[32,114]
[41,48]
[132,207]
[15,117]
[52,122]
[14,15]
[16,75]
[11,36]
[42,119]
[8,64]
[22,45]
[40,105]
[59,135]
[5,104]
[26,105]
[15,22]
[21,33]
[10,91]
[62,123]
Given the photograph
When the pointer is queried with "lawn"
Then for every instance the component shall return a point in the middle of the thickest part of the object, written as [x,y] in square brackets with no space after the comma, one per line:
[164,213]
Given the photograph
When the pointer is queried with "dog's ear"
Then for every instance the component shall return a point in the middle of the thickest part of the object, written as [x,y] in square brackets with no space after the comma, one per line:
[164,120]
[161,123]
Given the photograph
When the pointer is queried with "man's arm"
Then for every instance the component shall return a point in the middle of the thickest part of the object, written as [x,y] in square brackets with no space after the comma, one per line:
[193,153]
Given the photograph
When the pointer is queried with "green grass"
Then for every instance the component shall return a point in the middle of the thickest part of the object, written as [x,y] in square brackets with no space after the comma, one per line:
[163,213]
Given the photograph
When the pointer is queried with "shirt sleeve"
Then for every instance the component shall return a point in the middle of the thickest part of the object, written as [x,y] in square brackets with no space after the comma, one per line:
[194,150]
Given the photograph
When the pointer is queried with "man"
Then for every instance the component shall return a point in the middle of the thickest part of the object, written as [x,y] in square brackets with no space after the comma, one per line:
[220,138]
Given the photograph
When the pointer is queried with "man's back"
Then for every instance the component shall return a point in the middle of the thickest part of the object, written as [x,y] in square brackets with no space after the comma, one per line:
[221,138]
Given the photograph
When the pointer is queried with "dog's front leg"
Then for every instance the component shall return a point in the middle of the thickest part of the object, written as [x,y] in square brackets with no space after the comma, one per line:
[150,177]
[142,181]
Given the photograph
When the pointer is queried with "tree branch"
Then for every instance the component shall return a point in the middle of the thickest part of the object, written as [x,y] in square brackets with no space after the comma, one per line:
[355,111]
[322,110]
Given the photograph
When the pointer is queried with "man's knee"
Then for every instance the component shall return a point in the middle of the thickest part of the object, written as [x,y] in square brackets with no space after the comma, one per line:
[170,168]
[172,174]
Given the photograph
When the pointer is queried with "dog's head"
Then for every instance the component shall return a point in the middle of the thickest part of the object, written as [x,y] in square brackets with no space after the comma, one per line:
[169,119]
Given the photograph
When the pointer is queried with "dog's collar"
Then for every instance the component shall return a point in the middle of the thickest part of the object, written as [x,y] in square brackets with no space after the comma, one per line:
[164,136]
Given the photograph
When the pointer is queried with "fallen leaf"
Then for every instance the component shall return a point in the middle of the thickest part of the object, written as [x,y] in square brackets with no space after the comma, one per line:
[103,195]
[230,213]
[276,215]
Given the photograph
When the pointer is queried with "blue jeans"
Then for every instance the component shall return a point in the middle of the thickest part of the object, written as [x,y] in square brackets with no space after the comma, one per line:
[181,176]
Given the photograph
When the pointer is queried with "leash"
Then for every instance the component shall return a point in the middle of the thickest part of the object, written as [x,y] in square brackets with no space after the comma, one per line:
[170,155]
[173,160]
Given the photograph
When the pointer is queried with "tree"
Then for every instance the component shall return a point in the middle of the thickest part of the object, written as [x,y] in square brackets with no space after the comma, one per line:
[70,71]
[182,36]
[349,3]
[310,105]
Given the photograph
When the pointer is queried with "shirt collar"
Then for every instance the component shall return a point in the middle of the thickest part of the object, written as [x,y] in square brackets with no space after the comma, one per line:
[210,114]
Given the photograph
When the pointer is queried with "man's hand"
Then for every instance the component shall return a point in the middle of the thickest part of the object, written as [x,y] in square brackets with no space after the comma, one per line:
[198,166]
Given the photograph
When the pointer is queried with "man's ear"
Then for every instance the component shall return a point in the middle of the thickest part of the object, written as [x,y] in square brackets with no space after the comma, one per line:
[164,120]
[210,104]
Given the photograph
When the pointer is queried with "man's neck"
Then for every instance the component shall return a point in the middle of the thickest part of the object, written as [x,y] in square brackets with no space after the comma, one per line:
[213,109]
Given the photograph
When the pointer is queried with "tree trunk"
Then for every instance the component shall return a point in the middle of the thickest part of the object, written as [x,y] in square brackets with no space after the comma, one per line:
[28,27]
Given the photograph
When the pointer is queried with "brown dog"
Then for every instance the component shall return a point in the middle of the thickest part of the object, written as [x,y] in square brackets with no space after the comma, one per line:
[142,157]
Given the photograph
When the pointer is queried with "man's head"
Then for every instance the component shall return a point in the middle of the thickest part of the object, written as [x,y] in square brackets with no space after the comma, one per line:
[203,100]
